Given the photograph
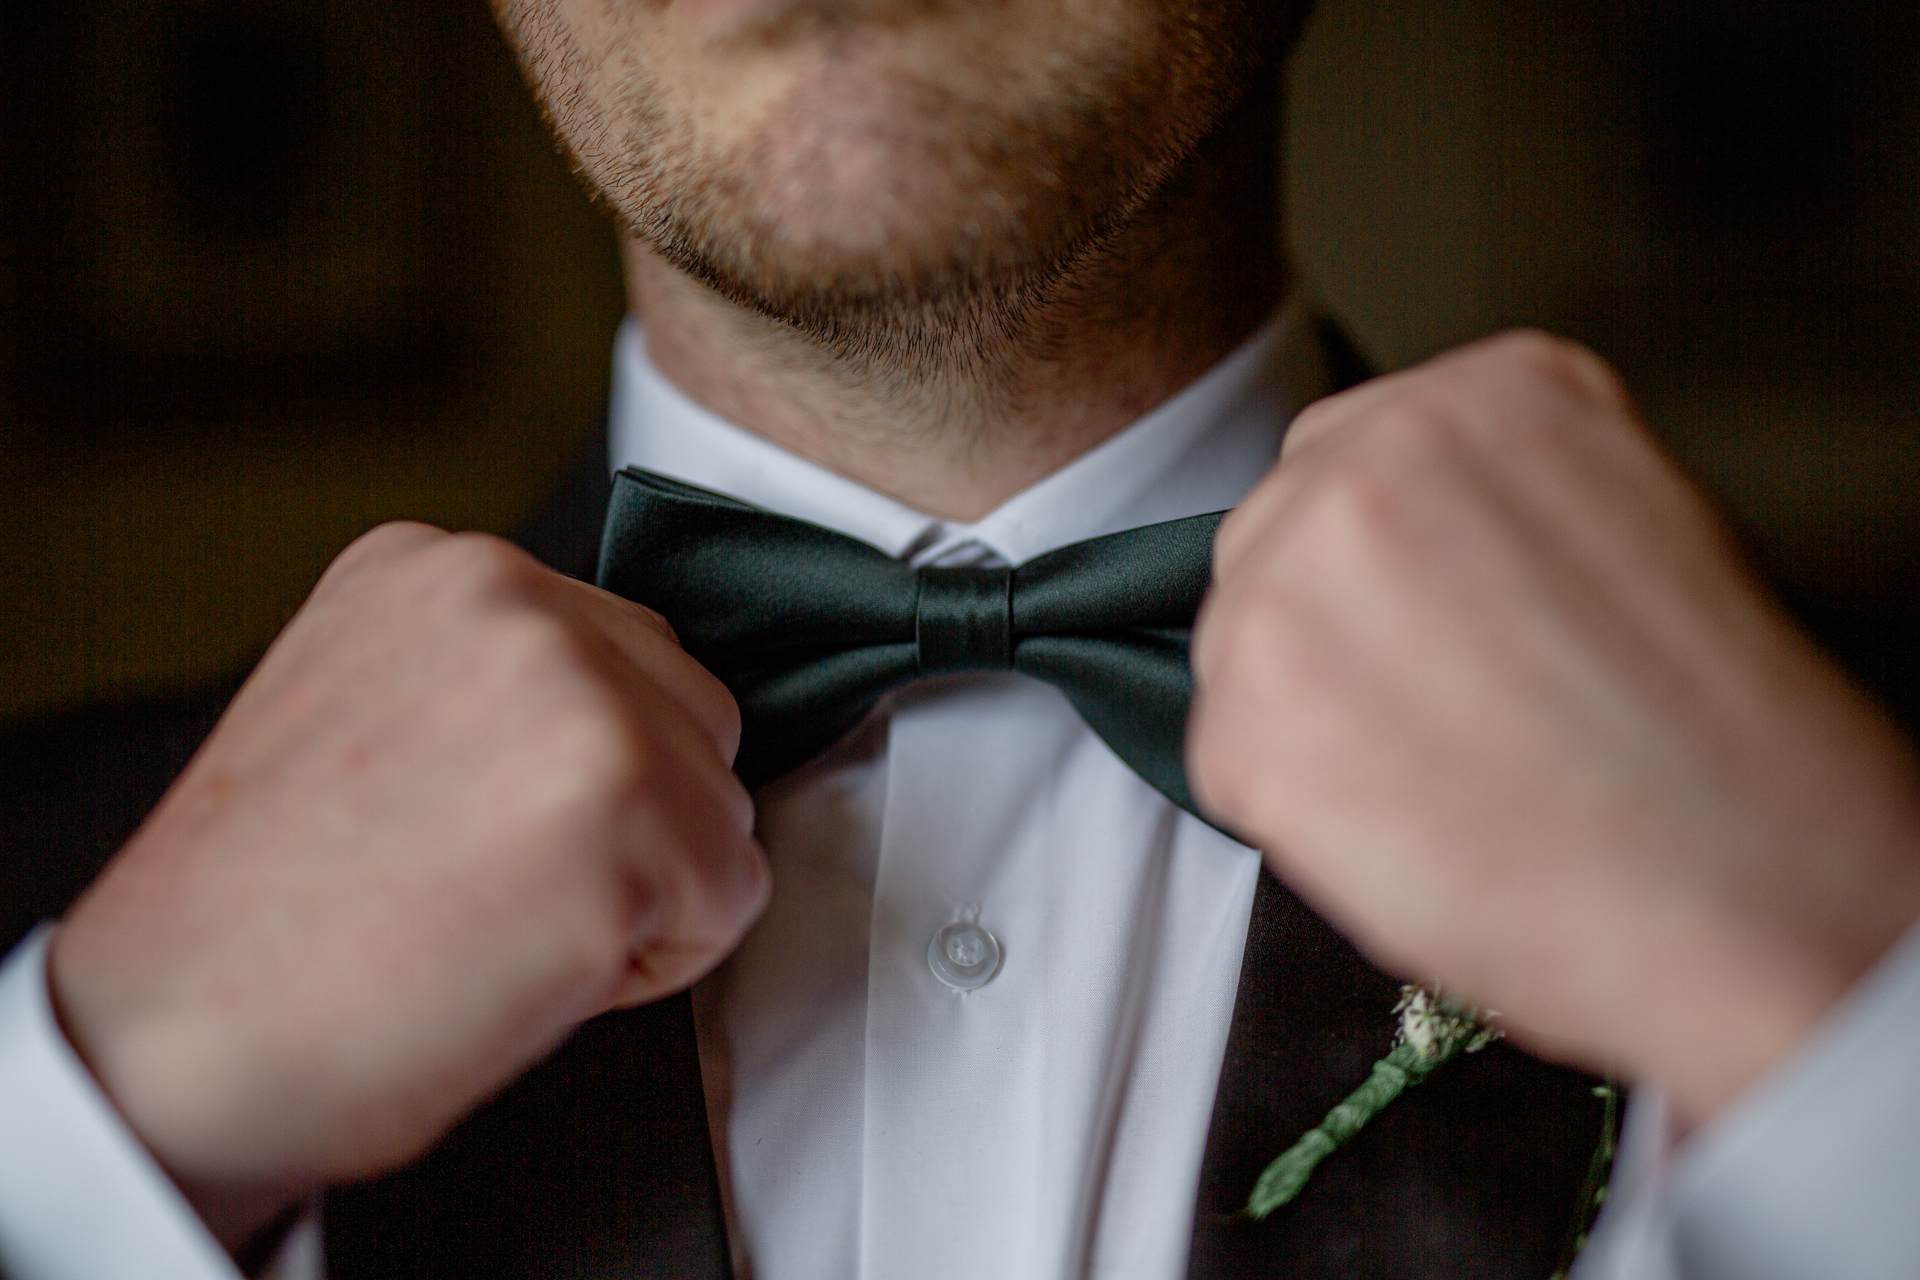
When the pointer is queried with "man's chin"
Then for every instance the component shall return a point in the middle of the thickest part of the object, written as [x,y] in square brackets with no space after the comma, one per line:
[844,291]
[832,161]
[775,23]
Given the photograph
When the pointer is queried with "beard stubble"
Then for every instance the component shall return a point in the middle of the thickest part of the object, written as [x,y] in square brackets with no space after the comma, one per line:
[909,226]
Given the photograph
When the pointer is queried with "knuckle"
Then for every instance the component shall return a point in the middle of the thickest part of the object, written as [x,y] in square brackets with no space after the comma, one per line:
[1565,363]
[725,717]
[655,768]
[651,620]
[692,904]
[1423,410]
[674,680]
[1314,420]
[1356,512]
[1362,498]
[1410,430]
[529,650]
[589,743]
[572,772]
[478,597]
[724,884]
[563,724]
[1530,344]
[394,535]
[1264,668]
[1537,352]
[647,769]
[380,545]
[1601,381]
[478,564]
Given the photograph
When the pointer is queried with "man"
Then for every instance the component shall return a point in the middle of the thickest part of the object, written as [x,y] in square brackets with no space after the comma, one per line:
[973,284]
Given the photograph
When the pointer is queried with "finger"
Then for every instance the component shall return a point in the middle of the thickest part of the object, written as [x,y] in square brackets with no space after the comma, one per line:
[1251,522]
[702,877]
[1491,394]
[682,848]
[1308,442]
[1327,416]
[672,728]
[1568,367]
[1498,373]
[674,959]
[1250,541]
[629,610]
[644,642]
[636,640]
[1212,629]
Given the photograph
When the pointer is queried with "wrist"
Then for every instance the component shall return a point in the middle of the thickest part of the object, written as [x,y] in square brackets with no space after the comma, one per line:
[1754,1003]
[236,1214]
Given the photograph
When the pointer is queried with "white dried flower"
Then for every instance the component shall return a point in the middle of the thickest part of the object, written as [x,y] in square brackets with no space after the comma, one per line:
[1438,1026]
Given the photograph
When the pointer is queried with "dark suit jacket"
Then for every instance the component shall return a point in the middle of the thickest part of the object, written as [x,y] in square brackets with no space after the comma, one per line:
[597,1162]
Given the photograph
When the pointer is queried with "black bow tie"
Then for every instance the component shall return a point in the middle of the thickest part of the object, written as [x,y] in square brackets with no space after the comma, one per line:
[808,627]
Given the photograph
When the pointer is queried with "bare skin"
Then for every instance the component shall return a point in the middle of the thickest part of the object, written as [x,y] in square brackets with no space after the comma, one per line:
[1132,325]
[1488,681]
[463,804]
[945,248]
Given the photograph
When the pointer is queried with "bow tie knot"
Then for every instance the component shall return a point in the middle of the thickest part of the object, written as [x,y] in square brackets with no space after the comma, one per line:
[963,620]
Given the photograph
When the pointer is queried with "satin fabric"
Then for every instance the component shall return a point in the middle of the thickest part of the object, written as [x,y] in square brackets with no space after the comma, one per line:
[808,628]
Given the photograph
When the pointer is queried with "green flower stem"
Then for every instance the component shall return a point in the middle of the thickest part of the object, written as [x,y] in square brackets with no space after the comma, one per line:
[1593,1192]
[1392,1075]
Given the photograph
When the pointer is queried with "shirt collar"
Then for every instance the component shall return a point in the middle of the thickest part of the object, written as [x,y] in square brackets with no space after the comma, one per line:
[1200,451]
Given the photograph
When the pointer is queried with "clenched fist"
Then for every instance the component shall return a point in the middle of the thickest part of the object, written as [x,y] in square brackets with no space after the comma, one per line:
[463,805]
[1489,684]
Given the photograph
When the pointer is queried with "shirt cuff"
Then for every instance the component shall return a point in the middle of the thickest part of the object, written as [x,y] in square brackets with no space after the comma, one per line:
[1811,1174]
[80,1197]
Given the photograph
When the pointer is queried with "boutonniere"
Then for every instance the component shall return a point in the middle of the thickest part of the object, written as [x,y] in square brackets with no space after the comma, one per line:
[1434,1029]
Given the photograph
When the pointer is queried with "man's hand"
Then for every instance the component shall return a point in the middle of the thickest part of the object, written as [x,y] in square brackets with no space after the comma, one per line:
[463,805]
[1491,686]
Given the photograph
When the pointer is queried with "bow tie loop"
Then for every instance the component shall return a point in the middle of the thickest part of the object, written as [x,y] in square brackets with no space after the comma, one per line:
[963,620]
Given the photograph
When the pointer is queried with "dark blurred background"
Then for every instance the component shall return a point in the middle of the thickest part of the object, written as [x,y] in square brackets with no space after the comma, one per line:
[274,270]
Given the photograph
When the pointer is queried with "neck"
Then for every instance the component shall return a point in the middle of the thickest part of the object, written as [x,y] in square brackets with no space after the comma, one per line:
[1013,397]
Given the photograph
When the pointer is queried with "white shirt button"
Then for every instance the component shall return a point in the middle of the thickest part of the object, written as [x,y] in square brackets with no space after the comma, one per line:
[964,956]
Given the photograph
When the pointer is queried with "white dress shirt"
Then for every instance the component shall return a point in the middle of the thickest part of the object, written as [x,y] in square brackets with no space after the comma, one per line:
[872,1121]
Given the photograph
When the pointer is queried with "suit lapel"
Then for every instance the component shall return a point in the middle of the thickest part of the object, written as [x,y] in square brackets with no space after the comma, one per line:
[1476,1173]
[595,1165]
